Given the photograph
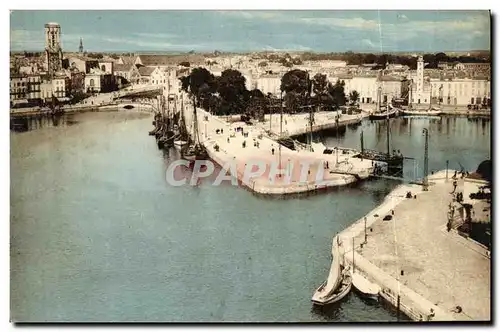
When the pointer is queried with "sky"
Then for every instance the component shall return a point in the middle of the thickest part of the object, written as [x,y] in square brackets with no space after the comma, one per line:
[241,31]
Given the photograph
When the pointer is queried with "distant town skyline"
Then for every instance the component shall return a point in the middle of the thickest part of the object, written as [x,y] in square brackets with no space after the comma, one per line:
[243,31]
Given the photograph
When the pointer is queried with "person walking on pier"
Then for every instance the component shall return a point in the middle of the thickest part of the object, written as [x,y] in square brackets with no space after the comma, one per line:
[454,186]
[272,151]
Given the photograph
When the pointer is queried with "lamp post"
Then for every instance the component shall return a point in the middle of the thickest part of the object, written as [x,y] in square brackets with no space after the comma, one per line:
[426,160]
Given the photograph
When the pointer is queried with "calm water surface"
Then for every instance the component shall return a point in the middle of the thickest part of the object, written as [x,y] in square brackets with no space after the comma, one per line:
[98,235]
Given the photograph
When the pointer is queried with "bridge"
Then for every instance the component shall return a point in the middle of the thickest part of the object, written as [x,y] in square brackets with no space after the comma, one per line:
[100,100]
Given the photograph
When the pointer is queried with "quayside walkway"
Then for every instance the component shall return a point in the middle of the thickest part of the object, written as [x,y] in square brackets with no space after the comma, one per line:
[415,256]
[259,147]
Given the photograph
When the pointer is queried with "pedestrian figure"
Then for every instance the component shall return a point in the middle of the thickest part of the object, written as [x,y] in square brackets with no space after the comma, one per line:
[327,165]
[228,139]
[222,131]
[454,185]
[272,151]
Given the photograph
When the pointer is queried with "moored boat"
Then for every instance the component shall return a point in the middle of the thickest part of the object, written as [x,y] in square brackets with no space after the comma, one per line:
[364,287]
[383,115]
[430,112]
[338,284]
[179,144]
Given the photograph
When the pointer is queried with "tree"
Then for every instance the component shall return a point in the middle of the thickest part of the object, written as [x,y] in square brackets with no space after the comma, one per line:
[232,91]
[353,97]
[320,90]
[337,93]
[296,85]
[184,64]
[257,104]
[199,83]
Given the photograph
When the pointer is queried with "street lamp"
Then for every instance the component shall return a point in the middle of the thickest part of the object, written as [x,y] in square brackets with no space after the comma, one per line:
[426,159]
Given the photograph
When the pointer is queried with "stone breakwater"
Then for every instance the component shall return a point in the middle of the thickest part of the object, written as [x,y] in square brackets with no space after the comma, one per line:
[413,256]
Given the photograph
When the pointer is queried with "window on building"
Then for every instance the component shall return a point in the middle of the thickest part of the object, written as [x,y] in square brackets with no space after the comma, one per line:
[91,82]
[103,68]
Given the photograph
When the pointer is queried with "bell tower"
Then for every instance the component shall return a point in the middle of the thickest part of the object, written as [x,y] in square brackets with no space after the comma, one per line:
[53,50]
[80,48]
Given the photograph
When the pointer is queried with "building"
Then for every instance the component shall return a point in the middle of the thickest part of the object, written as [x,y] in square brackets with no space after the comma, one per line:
[158,76]
[24,88]
[269,83]
[145,73]
[82,63]
[77,82]
[460,91]
[53,50]
[153,60]
[392,87]
[46,90]
[98,81]
[366,86]
[127,71]
[61,86]
[106,67]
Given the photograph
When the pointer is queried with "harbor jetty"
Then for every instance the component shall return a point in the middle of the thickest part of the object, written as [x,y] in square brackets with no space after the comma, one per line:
[426,270]
[299,124]
[241,143]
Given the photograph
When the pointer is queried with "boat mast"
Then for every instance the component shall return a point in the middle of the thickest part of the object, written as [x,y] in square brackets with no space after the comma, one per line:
[410,94]
[430,97]
[362,143]
[388,143]
[379,96]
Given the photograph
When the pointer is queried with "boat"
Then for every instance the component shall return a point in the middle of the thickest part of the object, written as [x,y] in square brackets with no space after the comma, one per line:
[383,115]
[364,287]
[179,144]
[338,284]
[429,112]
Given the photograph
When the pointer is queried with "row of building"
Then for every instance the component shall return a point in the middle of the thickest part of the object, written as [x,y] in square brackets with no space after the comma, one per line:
[62,77]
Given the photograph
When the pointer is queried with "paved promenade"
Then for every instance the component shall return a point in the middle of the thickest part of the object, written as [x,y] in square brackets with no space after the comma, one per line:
[441,270]
[259,147]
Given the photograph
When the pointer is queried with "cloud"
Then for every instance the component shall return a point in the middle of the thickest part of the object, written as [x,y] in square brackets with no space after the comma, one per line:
[155,35]
[402,17]
[369,43]
[351,23]
[26,39]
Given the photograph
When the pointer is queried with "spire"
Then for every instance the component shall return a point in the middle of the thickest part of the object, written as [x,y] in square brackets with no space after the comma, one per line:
[80,49]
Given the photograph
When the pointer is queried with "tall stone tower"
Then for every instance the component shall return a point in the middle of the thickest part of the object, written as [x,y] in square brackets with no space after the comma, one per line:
[80,48]
[419,88]
[53,51]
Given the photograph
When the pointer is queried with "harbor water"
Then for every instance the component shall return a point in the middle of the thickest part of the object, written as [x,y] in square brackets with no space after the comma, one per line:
[97,235]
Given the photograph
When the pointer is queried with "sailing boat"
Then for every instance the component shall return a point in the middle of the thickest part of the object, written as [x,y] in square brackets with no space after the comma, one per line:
[194,150]
[338,284]
[390,112]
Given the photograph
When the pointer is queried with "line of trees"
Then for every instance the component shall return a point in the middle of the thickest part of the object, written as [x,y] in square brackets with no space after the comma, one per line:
[302,92]
[381,59]
[227,94]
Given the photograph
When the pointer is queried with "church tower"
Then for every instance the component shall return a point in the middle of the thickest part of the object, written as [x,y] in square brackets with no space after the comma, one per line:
[80,48]
[53,50]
